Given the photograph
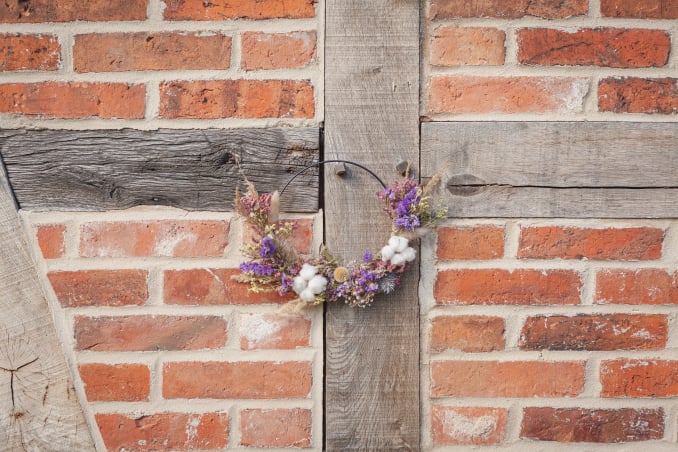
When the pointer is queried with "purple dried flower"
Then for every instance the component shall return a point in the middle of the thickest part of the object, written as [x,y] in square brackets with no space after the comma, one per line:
[257,268]
[408,222]
[268,247]
[367,256]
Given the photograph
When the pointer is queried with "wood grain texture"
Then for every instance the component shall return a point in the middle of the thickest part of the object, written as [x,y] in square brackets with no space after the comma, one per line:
[371,117]
[38,406]
[188,169]
[547,169]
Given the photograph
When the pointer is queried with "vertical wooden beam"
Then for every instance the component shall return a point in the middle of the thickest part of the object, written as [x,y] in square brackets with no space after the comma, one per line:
[38,407]
[371,117]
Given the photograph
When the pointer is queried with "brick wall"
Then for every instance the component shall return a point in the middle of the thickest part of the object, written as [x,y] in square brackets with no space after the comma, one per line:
[537,332]
[171,353]
[572,59]
[152,63]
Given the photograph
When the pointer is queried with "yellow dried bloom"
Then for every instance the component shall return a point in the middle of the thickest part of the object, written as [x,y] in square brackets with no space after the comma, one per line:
[340,274]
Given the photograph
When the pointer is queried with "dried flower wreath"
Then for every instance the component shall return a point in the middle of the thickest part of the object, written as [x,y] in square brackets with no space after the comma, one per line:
[274,265]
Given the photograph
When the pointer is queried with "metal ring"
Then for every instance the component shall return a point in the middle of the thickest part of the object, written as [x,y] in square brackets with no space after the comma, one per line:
[322,162]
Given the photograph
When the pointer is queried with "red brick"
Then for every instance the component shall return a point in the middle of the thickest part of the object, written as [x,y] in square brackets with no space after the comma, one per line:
[458,46]
[51,239]
[34,11]
[647,286]
[610,47]
[163,431]
[639,378]
[468,333]
[302,235]
[116,382]
[507,379]
[624,244]
[100,287]
[268,331]
[570,425]
[518,287]
[72,100]
[468,425]
[170,238]
[243,9]
[548,9]
[640,9]
[471,94]
[210,99]
[595,332]
[112,52]
[475,242]
[26,52]
[275,428]
[277,50]
[149,333]
[236,380]
[213,287]
[638,95]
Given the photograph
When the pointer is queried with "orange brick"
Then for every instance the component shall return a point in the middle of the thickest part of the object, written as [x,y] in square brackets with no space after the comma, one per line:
[471,94]
[26,52]
[236,380]
[647,286]
[570,425]
[639,378]
[639,9]
[149,333]
[507,379]
[468,333]
[112,52]
[459,46]
[548,9]
[302,236]
[625,244]
[595,332]
[468,425]
[100,287]
[475,242]
[610,47]
[72,100]
[213,287]
[210,99]
[170,238]
[638,95]
[275,428]
[51,239]
[519,287]
[116,382]
[268,331]
[277,50]
[242,9]
[34,11]
[164,431]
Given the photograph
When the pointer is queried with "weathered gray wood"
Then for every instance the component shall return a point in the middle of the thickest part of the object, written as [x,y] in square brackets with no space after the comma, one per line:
[547,169]
[38,406]
[371,117]
[189,169]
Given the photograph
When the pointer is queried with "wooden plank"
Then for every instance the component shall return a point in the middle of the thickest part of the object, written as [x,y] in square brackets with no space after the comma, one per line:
[371,117]
[38,406]
[564,169]
[188,169]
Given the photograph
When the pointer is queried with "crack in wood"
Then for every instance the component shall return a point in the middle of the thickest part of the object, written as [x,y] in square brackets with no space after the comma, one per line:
[11,378]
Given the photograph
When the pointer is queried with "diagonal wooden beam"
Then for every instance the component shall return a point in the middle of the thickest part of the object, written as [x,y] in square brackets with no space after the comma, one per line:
[38,406]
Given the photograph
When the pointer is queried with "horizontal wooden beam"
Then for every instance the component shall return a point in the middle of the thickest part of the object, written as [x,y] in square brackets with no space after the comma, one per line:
[188,169]
[554,169]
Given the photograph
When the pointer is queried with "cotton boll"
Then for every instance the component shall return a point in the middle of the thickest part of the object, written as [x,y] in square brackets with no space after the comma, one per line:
[398,259]
[307,295]
[409,254]
[308,271]
[317,284]
[299,284]
[398,243]
[387,253]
